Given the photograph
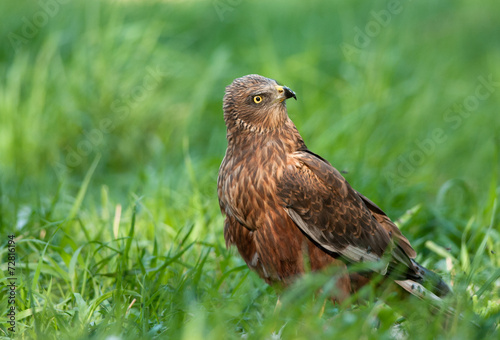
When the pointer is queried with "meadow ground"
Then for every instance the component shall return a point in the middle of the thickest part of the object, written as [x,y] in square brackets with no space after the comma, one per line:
[111,134]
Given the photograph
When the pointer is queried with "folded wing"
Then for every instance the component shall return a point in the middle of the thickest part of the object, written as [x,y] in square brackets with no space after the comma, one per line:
[338,219]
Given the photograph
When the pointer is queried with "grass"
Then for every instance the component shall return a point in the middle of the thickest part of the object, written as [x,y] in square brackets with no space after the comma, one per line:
[111,134]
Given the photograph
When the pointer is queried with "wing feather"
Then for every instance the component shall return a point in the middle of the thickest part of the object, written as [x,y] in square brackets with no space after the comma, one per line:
[333,215]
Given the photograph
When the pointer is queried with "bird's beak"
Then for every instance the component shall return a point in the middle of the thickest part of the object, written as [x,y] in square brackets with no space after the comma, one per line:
[285,93]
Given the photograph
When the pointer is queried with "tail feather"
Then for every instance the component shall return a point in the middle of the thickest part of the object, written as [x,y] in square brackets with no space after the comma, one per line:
[418,290]
[433,281]
[424,283]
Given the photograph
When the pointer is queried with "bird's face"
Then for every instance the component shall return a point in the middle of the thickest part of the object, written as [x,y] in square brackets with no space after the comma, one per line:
[256,102]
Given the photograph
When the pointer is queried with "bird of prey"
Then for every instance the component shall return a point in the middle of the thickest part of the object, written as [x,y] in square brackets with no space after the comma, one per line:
[283,203]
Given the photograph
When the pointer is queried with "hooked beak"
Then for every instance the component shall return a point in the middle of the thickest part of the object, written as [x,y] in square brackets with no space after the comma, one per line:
[285,93]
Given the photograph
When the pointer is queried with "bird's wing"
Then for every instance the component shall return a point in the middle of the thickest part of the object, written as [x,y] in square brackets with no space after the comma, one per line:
[333,215]
[389,226]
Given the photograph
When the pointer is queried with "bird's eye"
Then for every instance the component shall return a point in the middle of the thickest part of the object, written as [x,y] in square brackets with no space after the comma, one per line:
[257,99]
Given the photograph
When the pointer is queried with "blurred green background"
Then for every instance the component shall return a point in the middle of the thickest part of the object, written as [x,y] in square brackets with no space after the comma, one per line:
[402,95]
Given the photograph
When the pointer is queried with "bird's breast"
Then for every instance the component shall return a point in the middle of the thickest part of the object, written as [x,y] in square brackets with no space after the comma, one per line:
[248,182]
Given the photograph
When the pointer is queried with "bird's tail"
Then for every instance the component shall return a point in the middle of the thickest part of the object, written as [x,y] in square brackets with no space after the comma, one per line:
[424,284]
[429,286]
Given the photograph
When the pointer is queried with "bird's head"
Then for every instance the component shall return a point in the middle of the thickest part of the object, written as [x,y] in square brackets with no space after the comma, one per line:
[256,102]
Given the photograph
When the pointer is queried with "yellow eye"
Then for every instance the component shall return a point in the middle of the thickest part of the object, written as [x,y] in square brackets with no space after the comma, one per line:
[257,99]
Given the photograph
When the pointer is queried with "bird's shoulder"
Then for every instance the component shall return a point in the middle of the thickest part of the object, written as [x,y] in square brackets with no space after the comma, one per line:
[305,166]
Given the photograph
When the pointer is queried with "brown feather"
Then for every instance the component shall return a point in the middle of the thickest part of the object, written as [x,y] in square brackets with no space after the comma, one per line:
[284,203]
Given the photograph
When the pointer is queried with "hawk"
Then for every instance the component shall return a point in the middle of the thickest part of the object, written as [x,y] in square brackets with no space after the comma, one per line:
[283,203]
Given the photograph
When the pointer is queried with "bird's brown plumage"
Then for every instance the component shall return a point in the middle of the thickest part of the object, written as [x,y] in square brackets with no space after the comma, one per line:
[284,203]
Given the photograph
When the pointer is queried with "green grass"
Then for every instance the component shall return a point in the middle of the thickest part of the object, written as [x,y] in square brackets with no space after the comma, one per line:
[111,134]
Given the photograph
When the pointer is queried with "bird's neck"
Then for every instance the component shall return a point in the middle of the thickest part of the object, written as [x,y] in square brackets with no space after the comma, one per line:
[261,124]
[245,138]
